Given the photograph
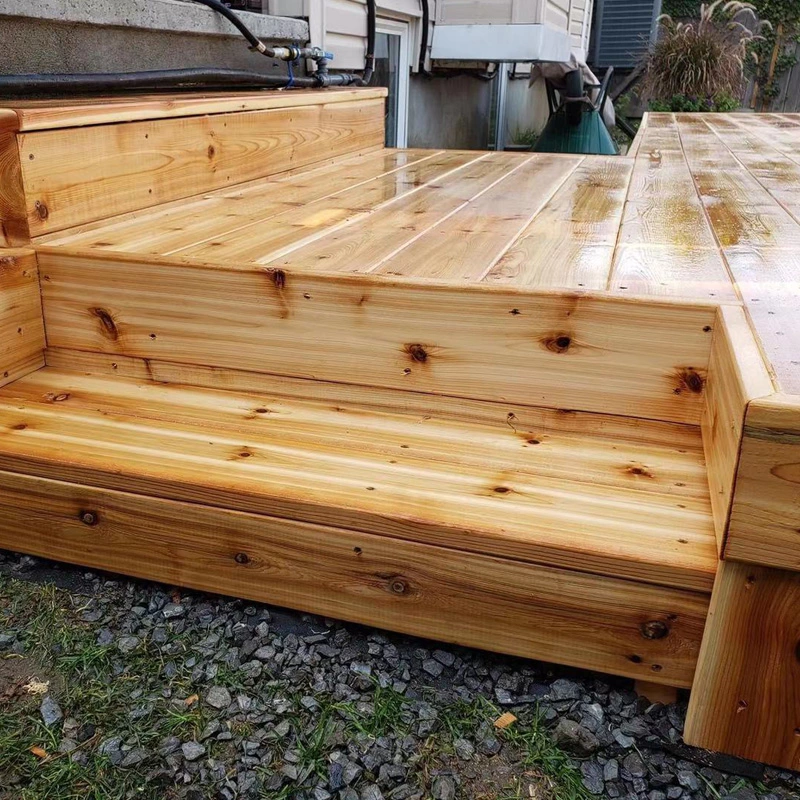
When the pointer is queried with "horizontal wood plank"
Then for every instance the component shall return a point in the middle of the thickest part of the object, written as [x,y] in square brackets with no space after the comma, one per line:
[579,493]
[579,352]
[570,242]
[286,232]
[99,171]
[37,115]
[173,227]
[462,598]
[466,244]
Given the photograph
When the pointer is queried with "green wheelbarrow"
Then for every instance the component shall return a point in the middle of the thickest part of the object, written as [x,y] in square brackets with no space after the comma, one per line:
[576,121]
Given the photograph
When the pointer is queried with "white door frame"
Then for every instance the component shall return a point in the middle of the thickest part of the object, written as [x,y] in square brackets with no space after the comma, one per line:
[400,28]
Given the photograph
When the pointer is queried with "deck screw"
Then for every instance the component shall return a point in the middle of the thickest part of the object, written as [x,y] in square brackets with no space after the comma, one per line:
[241,558]
[89,517]
[654,629]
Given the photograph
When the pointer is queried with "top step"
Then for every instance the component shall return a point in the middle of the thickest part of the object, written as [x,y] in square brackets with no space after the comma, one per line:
[64,165]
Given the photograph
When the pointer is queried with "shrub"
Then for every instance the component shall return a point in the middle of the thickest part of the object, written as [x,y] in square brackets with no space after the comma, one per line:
[702,61]
[679,102]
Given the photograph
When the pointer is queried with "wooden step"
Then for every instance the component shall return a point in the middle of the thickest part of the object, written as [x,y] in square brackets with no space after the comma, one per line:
[601,494]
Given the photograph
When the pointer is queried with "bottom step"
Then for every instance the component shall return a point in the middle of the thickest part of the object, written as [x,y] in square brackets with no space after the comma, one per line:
[601,623]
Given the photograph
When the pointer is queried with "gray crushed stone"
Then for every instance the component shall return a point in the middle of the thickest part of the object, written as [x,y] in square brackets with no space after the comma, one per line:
[260,674]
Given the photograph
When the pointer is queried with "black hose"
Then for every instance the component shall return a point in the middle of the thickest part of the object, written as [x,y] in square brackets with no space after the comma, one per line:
[423,44]
[234,19]
[166,79]
[369,61]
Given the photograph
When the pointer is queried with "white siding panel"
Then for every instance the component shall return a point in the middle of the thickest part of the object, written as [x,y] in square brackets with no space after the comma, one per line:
[346,17]
[468,12]
[556,15]
[349,50]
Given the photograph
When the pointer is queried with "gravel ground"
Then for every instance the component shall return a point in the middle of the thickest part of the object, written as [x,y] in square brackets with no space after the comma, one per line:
[114,689]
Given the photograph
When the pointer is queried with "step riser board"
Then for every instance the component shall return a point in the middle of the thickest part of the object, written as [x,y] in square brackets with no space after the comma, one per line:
[521,609]
[558,350]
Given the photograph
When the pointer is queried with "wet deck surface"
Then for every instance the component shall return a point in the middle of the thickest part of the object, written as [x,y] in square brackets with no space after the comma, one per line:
[705,207]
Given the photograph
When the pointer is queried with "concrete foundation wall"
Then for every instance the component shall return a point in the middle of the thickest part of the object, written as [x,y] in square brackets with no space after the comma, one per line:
[526,108]
[449,113]
[131,35]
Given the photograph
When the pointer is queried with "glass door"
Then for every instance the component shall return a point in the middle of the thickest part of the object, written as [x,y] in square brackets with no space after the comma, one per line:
[391,71]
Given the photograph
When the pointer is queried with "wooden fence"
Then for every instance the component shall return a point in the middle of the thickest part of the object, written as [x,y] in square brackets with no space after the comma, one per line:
[788,98]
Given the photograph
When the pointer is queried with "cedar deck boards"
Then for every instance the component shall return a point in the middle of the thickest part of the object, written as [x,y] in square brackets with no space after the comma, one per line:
[393,385]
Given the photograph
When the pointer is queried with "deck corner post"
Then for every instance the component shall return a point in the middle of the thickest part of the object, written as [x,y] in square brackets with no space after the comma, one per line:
[745,698]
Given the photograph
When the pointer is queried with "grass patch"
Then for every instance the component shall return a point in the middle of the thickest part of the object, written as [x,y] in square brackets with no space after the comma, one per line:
[89,686]
[384,716]
[526,742]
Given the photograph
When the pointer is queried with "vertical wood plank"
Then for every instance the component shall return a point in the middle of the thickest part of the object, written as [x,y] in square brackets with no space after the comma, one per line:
[13,217]
[765,517]
[21,328]
[746,695]
[736,375]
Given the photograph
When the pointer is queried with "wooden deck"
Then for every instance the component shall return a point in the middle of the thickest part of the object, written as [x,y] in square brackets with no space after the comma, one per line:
[390,385]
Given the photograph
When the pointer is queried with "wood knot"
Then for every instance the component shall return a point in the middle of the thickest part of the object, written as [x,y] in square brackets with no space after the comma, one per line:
[89,518]
[639,469]
[279,278]
[107,325]
[211,151]
[242,558]
[559,343]
[690,380]
[417,352]
[654,629]
[51,397]
[41,210]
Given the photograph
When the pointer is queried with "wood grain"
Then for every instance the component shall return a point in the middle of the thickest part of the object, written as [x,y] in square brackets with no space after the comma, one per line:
[462,598]
[765,518]
[99,171]
[37,115]
[736,376]
[532,487]
[238,211]
[369,240]
[580,352]
[14,230]
[466,244]
[21,328]
[285,232]
[746,695]
[570,241]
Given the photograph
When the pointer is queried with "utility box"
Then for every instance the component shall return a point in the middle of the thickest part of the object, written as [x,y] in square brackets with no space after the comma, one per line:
[509,30]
